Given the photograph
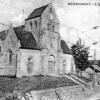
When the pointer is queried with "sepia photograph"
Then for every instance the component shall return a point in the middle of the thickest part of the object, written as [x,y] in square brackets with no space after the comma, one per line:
[49,50]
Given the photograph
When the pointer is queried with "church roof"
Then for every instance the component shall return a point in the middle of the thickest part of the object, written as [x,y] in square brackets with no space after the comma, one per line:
[37,12]
[93,68]
[65,48]
[3,35]
[27,40]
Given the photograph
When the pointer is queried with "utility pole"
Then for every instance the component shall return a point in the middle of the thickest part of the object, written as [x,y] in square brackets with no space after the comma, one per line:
[94,69]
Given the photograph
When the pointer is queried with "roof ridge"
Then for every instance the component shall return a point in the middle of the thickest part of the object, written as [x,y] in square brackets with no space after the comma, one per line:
[41,7]
[37,12]
[19,26]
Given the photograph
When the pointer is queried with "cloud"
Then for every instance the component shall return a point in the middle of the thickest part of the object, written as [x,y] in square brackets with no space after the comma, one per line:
[19,19]
[77,17]
[81,18]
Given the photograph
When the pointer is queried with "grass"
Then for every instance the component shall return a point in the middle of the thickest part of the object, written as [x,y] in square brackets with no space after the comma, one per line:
[25,84]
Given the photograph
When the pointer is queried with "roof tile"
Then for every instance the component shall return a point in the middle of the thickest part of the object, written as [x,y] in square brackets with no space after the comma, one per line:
[27,39]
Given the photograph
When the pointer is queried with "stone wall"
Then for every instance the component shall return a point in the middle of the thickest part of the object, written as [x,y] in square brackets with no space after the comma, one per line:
[8,64]
[67,64]
[35,62]
[62,93]
[28,62]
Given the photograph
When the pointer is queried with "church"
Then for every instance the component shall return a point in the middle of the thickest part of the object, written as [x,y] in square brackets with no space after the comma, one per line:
[36,47]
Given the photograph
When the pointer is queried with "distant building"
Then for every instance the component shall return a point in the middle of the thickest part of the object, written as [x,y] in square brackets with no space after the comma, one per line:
[36,47]
[92,71]
[96,62]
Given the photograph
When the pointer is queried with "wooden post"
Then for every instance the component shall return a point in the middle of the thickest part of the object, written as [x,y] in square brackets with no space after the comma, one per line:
[94,69]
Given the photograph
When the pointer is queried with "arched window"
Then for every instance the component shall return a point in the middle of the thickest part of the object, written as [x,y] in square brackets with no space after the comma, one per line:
[30,59]
[35,24]
[64,65]
[64,62]
[0,49]
[31,25]
[30,64]
[53,27]
[51,16]
[50,10]
[51,64]
[10,56]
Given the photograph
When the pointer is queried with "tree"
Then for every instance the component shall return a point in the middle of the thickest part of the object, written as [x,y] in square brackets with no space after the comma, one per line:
[80,54]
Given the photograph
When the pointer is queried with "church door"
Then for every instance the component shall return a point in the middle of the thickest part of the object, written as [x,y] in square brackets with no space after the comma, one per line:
[51,64]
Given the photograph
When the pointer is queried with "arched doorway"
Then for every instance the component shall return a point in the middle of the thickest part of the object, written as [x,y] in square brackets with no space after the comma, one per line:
[51,64]
[10,53]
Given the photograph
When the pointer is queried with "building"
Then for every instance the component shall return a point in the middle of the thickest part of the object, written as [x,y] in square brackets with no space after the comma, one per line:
[36,47]
[96,62]
[93,73]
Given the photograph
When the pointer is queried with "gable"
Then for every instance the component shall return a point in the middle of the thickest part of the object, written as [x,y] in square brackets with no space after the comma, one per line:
[37,12]
[97,62]
[26,38]
[9,40]
[49,19]
[50,12]
[65,48]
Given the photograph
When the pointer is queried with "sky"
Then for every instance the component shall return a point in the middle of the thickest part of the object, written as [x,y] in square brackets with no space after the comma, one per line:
[76,21]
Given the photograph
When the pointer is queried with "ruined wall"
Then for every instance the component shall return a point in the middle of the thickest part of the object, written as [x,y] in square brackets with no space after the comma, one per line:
[62,93]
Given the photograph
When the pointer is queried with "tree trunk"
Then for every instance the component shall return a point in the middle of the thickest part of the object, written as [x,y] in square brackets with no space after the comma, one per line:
[81,73]
[78,71]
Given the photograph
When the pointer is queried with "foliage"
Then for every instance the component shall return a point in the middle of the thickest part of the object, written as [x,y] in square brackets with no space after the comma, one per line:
[80,53]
